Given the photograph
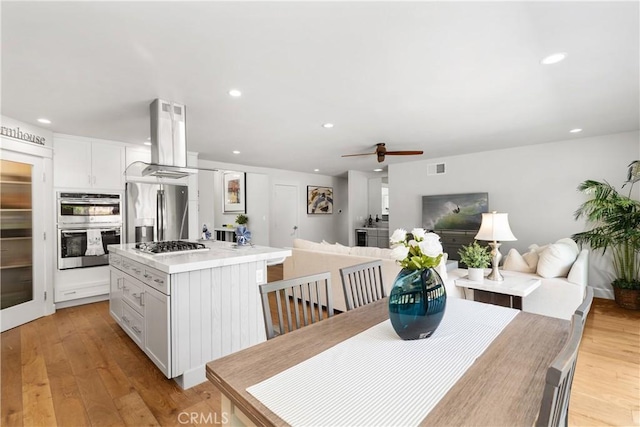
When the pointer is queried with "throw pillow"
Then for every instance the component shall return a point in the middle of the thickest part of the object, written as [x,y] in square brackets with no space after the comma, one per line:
[516,262]
[442,267]
[556,260]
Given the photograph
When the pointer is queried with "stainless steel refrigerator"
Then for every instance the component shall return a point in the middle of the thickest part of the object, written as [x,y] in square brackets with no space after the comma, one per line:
[157,212]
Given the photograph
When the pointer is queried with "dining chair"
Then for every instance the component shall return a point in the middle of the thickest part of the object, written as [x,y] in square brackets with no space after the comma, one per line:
[583,309]
[554,408]
[303,300]
[362,284]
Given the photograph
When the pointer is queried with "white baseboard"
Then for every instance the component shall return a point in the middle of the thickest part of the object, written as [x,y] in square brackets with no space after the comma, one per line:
[603,293]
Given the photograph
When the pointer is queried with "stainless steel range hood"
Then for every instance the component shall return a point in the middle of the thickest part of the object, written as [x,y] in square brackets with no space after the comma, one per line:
[168,144]
[168,140]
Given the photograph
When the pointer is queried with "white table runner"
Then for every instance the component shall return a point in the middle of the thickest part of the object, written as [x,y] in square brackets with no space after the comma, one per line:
[377,379]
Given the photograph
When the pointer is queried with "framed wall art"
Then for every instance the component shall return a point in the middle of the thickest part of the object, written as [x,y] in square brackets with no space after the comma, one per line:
[234,192]
[319,200]
[454,211]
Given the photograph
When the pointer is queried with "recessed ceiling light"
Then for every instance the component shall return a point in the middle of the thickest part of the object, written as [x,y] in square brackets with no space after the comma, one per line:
[235,93]
[236,152]
[554,58]
[147,143]
[575,130]
[45,121]
[377,170]
[327,125]
[316,170]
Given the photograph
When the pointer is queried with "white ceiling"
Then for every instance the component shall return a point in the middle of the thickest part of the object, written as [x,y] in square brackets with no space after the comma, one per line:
[443,77]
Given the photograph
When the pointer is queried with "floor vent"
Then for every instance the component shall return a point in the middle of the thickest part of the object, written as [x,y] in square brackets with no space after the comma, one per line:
[435,169]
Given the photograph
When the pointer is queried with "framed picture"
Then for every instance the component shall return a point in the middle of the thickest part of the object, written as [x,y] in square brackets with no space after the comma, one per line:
[454,211]
[319,200]
[234,192]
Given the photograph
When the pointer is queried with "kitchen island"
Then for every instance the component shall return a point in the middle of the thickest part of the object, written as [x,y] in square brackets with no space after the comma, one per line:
[186,309]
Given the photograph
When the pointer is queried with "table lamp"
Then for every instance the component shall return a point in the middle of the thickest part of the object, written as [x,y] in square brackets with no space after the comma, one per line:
[494,228]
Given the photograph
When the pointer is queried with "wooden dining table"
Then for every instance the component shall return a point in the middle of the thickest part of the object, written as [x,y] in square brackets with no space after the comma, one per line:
[502,387]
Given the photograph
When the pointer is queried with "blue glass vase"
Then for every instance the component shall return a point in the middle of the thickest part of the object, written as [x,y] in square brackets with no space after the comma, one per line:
[416,303]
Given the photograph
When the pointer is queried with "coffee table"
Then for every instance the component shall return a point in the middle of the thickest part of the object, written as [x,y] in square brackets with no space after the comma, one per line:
[507,293]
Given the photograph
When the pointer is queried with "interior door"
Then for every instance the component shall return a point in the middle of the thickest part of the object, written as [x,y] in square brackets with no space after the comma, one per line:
[285,215]
[22,249]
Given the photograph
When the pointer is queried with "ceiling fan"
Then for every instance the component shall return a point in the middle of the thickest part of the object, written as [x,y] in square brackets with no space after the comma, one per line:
[381,151]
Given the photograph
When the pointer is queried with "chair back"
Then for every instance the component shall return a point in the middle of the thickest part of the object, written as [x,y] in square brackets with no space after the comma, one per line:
[362,284]
[297,302]
[554,408]
[583,309]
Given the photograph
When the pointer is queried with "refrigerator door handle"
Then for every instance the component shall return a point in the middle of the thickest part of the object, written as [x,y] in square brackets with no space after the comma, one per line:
[160,210]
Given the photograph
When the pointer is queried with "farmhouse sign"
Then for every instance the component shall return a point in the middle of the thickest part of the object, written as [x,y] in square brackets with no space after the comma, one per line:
[18,134]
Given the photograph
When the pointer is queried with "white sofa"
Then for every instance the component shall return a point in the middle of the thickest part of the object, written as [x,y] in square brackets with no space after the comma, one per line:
[556,297]
[310,258]
[563,275]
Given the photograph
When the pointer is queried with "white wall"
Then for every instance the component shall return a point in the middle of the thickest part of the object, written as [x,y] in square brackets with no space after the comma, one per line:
[260,181]
[358,202]
[535,184]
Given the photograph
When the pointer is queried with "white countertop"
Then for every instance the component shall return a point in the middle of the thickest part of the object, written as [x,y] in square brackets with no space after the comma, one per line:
[219,254]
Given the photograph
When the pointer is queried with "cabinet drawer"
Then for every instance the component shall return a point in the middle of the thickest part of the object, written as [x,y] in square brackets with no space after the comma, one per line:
[132,293]
[115,260]
[133,268]
[152,277]
[133,324]
[156,279]
[83,291]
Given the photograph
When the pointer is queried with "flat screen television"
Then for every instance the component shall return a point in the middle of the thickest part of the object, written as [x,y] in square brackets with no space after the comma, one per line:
[454,211]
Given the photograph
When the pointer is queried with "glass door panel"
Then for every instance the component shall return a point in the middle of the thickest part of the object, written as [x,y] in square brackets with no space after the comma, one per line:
[16,242]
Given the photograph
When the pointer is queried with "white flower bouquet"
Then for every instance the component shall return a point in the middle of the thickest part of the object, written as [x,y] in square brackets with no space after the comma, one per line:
[416,250]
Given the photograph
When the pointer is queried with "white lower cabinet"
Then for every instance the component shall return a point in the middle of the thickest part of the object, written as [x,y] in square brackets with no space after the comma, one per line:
[141,310]
[156,326]
[115,293]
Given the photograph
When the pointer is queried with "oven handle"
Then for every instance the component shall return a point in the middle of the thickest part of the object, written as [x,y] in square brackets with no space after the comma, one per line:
[84,230]
[90,202]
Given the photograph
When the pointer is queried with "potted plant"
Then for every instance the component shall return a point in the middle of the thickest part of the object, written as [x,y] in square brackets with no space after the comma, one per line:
[615,222]
[477,258]
[242,219]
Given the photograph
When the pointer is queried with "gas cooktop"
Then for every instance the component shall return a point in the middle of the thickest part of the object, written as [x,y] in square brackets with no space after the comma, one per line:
[170,246]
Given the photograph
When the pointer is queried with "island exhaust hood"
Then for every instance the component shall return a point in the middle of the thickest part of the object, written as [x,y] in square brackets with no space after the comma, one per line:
[168,141]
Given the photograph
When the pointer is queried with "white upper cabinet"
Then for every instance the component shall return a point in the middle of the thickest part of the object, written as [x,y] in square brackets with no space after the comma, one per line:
[82,163]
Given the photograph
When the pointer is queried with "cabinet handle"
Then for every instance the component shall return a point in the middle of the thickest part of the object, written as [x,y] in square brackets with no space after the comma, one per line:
[124,288]
[146,276]
[136,329]
[125,319]
[136,270]
[142,299]
[70,293]
[136,296]
[159,281]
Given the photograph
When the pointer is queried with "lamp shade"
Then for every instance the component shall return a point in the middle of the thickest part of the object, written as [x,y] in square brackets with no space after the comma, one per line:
[495,227]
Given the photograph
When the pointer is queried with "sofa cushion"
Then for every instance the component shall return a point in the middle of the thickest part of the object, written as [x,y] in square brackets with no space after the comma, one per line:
[556,260]
[526,263]
[337,249]
[307,244]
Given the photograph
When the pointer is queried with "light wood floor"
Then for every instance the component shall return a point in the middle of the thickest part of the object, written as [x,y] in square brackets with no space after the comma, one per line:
[78,368]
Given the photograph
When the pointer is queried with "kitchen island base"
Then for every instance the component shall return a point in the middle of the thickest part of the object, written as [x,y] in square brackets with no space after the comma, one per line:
[186,310]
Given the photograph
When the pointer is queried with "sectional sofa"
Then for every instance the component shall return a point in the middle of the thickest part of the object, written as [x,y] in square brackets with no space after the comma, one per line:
[561,266]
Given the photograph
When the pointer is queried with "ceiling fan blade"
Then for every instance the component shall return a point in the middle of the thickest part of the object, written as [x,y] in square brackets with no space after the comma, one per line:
[403,153]
[363,154]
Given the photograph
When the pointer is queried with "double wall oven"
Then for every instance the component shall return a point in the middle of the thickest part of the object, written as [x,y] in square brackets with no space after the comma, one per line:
[87,224]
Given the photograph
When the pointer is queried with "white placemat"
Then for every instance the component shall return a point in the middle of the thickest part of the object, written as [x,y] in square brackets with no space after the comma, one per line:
[377,379]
